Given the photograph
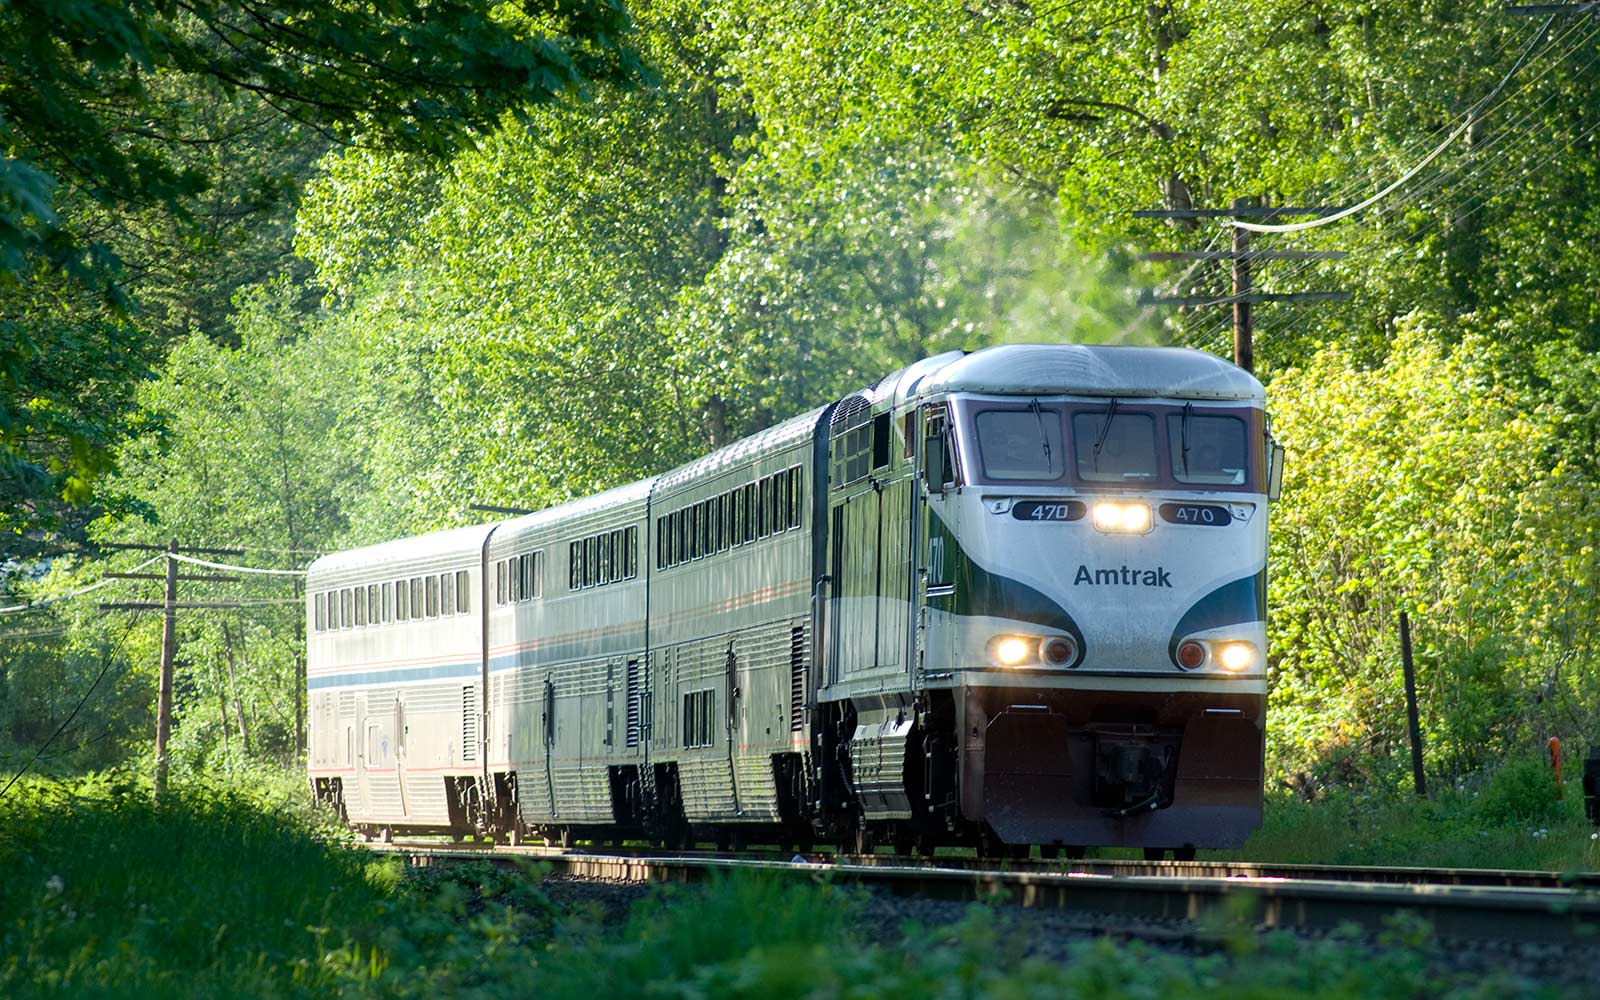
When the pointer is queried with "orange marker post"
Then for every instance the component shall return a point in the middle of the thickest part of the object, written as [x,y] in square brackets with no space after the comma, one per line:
[1555,763]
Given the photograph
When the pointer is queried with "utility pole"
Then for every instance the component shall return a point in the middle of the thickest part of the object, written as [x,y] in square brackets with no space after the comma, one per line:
[169,607]
[1244,348]
[169,650]
[1244,294]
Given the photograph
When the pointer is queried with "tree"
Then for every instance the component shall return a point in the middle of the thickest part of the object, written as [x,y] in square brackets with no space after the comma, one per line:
[101,108]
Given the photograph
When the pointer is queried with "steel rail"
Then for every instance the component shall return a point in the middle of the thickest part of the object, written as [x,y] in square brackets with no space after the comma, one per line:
[1455,910]
[1379,874]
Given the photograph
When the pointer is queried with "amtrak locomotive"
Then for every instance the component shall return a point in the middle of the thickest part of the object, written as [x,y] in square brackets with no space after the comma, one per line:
[1009,598]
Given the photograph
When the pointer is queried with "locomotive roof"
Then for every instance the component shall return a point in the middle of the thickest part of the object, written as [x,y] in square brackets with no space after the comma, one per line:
[1095,370]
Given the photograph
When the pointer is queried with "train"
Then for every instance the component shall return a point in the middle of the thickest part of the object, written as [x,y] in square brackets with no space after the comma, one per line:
[1011,599]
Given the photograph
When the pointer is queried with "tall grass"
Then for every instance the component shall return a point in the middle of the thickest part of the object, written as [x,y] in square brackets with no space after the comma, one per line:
[1514,818]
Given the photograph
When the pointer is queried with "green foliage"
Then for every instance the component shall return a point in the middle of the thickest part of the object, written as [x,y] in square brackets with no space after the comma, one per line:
[1429,484]
[1507,818]
[149,150]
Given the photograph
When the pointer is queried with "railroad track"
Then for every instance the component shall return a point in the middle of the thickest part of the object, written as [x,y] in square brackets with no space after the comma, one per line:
[1460,903]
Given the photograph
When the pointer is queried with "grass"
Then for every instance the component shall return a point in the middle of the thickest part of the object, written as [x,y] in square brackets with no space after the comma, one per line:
[218,893]
[1515,819]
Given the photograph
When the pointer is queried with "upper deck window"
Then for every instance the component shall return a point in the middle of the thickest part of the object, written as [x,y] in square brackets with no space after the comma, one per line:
[1209,450]
[1021,444]
[1112,447]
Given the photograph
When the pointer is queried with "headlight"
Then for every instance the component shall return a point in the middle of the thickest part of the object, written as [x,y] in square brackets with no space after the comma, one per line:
[1059,650]
[1127,518]
[1236,656]
[1012,650]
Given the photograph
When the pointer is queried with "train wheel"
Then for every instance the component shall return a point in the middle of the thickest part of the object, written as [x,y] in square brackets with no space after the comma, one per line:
[566,837]
[386,835]
[1155,854]
[723,839]
[1183,853]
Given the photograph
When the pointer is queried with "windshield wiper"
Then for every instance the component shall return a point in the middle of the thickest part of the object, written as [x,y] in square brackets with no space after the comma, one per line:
[1044,439]
[1105,428]
[1187,409]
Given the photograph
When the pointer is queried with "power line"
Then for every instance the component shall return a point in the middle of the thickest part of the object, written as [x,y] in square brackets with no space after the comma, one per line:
[1295,227]
[237,569]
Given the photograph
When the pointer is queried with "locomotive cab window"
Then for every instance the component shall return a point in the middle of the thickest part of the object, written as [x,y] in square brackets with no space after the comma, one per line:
[1208,449]
[1113,446]
[1021,445]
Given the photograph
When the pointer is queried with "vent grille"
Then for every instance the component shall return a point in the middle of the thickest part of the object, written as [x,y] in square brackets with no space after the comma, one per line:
[797,679]
[635,705]
[469,722]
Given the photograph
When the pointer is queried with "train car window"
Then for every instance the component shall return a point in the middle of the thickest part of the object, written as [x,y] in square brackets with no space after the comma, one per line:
[346,607]
[749,512]
[708,712]
[1211,450]
[573,574]
[881,429]
[388,601]
[333,609]
[500,582]
[591,561]
[361,606]
[797,495]
[761,509]
[416,597]
[694,531]
[402,601]
[775,515]
[447,593]
[374,613]
[661,543]
[708,534]
[909,429]
[1019,445]
[630,543]
[1112,446]
[689,728]
[682,534]
[319,617]
[432,594]
[513,580]
[463,589]
[719,524]
[602,560]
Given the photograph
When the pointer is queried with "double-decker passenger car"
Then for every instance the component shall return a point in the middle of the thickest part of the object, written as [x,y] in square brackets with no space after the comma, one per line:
[1008,598]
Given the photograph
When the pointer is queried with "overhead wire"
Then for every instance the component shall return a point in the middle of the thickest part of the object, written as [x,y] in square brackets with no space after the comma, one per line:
[1295,227]
[191,560]
[106,582]
[1487,154]
[1487,157]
